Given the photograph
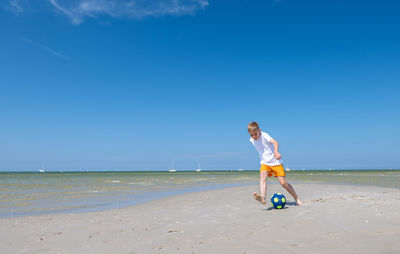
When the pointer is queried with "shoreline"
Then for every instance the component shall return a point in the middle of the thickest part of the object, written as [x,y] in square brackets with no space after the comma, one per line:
[143,200]
[37,194]
[363,219]
[178,192]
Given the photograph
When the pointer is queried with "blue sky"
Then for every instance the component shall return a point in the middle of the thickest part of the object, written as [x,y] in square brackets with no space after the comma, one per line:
[126,85]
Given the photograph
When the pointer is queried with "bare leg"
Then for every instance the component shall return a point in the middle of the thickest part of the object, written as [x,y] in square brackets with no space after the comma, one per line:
[289,188]
[263,187]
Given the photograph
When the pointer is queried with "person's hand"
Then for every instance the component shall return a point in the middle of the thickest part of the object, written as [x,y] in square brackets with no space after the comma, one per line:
[278,156]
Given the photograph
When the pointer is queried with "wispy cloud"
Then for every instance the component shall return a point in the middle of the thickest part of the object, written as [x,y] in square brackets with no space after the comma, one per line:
[76,19]
[14,6]
[78,10]
[47,49]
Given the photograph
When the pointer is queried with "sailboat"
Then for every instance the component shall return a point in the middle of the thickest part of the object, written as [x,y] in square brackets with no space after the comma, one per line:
[198,168]
[42,169]
[173,166]
[287,168]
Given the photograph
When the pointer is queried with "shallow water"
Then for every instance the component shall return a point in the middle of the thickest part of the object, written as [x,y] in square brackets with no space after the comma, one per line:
[33,193]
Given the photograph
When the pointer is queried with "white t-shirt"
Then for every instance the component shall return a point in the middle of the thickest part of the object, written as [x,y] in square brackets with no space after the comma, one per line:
[265,150]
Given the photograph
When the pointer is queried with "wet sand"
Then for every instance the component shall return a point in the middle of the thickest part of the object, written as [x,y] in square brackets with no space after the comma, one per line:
[333,219]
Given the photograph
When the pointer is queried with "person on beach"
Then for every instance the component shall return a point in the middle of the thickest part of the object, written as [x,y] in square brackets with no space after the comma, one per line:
[267,149]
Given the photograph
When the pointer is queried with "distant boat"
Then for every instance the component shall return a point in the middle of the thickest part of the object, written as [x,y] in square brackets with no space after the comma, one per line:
[287,168]
[173,166]
[42,169]
[198,168]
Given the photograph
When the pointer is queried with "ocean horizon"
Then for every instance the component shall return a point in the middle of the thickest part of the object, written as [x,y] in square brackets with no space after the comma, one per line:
[181,170]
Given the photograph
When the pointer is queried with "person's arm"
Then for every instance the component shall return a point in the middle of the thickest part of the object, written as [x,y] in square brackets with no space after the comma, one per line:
[278,156]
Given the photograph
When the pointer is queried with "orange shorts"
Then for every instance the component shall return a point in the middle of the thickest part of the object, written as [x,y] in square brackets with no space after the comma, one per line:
[277,170]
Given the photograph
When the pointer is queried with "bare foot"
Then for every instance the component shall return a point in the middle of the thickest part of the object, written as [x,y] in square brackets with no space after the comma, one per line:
[259,198]
[298,201]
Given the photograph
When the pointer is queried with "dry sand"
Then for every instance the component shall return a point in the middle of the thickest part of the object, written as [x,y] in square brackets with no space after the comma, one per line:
[333,219]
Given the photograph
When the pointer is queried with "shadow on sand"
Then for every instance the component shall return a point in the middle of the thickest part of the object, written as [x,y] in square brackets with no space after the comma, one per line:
[286,206]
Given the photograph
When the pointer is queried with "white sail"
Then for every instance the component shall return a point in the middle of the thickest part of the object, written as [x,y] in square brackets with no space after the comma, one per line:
[173,166]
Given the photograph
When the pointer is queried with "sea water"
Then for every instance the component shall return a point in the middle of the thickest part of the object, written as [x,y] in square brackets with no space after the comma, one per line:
[32,193]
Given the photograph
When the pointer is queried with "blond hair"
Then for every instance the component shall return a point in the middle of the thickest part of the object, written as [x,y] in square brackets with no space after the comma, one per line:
[253,126]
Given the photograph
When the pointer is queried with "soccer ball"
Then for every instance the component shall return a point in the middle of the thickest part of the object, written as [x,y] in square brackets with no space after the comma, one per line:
[278,201]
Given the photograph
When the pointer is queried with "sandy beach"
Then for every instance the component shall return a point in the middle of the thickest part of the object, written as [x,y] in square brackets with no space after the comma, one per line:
[333,219]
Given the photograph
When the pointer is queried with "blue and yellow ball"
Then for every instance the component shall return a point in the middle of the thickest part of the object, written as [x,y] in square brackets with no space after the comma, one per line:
[278,200]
